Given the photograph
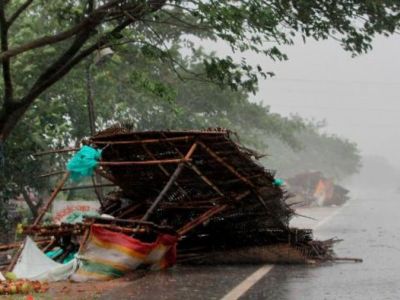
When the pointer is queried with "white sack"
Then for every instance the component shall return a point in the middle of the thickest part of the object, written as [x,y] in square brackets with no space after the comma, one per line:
[33,264]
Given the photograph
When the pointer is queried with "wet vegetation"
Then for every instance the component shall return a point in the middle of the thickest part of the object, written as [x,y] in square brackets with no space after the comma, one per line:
[158,77]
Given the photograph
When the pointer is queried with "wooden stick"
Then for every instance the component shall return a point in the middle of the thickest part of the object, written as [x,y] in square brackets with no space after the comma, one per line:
[6,247]
[105,175]
[149,141]
[51,199]
[233,171]
[86,187]
[164,191]
[51,174]
[207,215]
[15,258]
[120,229]
[358,260]
[128,210]
[164,170]
[202,218]
[200,174]
[49,245]
[172,179]
[56,151]
[126,221]
[225,164]
[84,239]
[145,162]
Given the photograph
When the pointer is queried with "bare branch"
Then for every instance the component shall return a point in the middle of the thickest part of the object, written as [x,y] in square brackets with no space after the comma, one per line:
[19,11]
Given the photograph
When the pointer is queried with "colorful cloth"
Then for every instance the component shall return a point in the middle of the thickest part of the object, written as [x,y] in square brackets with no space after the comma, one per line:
[107,254]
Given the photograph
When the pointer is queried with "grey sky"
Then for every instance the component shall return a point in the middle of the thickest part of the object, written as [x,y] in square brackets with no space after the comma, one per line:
[358,97]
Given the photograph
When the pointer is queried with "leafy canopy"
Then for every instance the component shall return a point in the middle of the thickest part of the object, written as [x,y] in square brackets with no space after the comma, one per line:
[45,40]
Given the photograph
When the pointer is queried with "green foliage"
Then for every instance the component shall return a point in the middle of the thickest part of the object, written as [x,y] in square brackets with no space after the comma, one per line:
[57,35]
[153,84]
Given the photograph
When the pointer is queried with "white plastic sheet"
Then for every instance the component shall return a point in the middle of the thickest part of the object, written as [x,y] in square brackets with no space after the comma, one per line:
[2,277]
[33,264]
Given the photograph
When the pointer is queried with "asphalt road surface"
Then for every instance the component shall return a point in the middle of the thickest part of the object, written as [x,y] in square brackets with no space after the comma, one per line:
[370,227]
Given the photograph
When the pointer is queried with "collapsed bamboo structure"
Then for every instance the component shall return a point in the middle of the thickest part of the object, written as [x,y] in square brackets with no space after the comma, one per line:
[201,186]
[204,185]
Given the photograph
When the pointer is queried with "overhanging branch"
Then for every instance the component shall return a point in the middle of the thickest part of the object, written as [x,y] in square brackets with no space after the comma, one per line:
[49,40]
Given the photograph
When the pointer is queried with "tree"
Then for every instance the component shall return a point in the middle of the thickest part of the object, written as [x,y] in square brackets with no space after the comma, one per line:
[148,98]
[65,32]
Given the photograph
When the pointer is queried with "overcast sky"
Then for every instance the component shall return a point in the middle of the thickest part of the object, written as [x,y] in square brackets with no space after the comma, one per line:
[359,97]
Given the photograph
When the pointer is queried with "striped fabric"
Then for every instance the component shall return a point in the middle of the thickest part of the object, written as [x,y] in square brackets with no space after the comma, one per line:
[108,255]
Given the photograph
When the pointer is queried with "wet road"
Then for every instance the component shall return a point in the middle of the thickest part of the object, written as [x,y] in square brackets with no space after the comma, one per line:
[370,227]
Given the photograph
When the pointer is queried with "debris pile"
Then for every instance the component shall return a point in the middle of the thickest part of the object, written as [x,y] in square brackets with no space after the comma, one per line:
[185,196]
[314,189]
[203,185]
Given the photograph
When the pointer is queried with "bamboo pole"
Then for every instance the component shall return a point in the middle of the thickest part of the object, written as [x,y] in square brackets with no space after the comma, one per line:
[202,218]
[164,191]
[139,163]
[207,215]
[128,210]
[233,171]
[120,229]
[149,141]
[172,179]
[15,258]
[64,150]
[86,187]
[6,247]
[126,221]
[51,174]
[84,238]
[225,164]
[164,170]
[105,175]
[51,199]
[357,260]
[201,175]
[206,179]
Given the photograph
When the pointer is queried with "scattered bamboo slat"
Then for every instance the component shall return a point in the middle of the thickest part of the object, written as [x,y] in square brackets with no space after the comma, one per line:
[170,182]
[51,199]
[139,163]
[5,247]
[208,214]
[149,141]
[51,174]
[83,187]
[63,150]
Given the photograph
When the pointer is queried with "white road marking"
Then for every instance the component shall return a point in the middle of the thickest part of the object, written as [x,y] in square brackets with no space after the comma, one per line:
[246,284]
[250,281]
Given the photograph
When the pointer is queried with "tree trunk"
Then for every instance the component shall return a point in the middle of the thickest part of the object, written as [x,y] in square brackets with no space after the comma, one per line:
[33,208]
[9,117]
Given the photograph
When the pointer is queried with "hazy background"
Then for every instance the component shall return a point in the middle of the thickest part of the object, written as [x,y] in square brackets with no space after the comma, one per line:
[358,97]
